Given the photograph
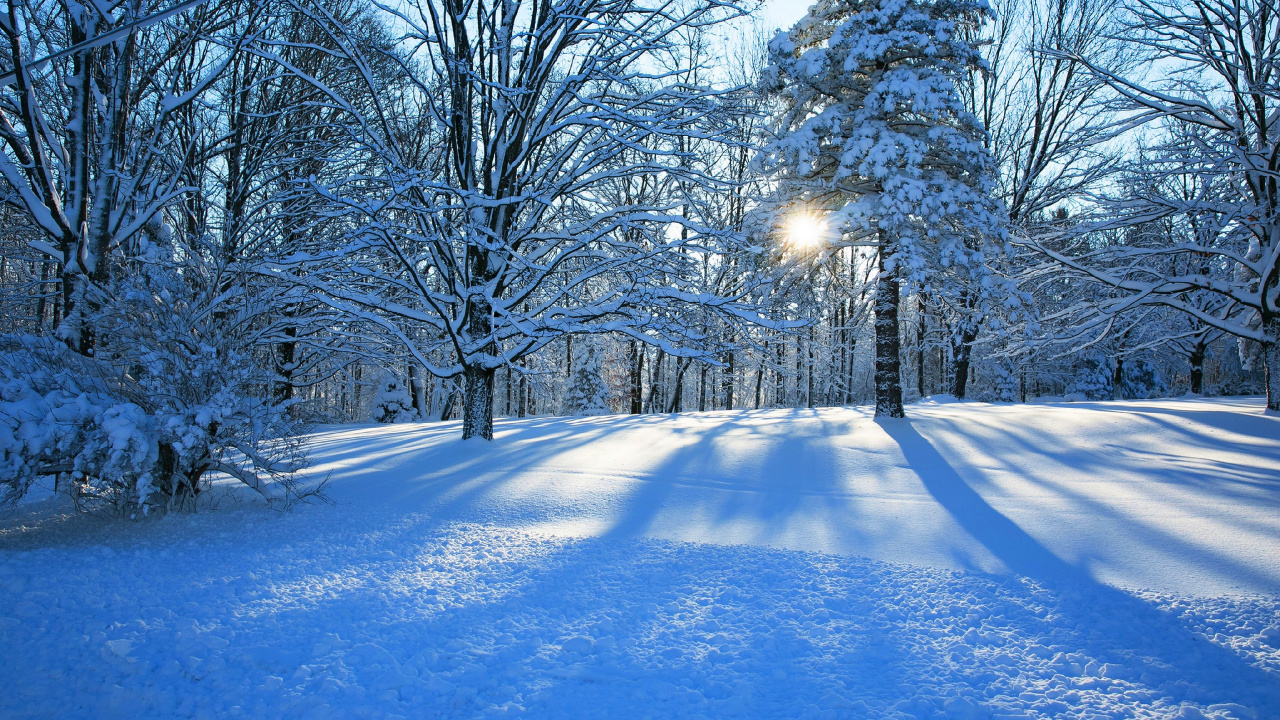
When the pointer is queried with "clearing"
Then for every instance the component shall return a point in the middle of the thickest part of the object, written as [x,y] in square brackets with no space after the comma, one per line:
[1048,561]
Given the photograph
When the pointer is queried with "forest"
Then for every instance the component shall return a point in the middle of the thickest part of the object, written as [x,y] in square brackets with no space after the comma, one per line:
[654,359]
[226,221]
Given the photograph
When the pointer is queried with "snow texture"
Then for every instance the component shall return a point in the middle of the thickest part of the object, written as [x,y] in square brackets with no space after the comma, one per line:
[755,564]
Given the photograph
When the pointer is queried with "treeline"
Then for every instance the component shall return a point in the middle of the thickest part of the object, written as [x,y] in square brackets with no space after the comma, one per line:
[226,219]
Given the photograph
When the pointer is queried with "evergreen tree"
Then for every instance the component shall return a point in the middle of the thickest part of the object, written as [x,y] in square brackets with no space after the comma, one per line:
[392,404]
[588,394]
[874,133]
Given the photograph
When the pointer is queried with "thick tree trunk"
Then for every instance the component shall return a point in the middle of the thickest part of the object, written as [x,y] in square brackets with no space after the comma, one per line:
[415,391]
[288,351]
[655,383]
[677,395]
[1197,369]
[961,350]
[1271,362]
[888,344]
[1117,380]
[960,353]
[637,378]
[477,403]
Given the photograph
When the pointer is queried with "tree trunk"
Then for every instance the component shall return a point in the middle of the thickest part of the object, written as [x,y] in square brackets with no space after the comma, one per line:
[1271,362]
[962,347]
[1117,380]
[637,378]
[506,410]
[677,396]
[779,380]
[655,383]
[1197,368]
[702,387]
[920,347]
[764,353]
[810,398]
[728,382]
[522,391]
[888,344]
[415,391]
[960,352]
[477,403]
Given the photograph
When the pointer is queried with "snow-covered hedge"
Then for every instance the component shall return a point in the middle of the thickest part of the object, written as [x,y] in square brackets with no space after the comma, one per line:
[170,395]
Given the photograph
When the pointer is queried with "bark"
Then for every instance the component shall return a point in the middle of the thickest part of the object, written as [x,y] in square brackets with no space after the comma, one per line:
[655,382]
[920,348]
[1271,362]
[961,347]
[760,373]
[1117,380]
[810,397]
[888,344]
[1197,369]
[779,382]
[522,391]
[702,388]
[477,414]
[677,397]
[287,363]
[960,350]
[506,410]
[637,378]
[728,382]
[415,395]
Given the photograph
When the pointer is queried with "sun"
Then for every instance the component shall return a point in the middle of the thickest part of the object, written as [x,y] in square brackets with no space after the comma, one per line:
[806,230]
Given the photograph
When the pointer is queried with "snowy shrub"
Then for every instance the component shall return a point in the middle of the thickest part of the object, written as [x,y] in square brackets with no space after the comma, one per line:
[1093,378]
[588,394]
[1005,382]
[170,395]
[1142,379]
[392,404]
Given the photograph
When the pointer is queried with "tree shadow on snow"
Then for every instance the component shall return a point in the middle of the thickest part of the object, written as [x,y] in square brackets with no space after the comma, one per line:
[1118,624]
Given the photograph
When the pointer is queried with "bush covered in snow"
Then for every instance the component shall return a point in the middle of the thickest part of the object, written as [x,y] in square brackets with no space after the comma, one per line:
[170,394]
[1093,378]
[393,404]
[1142,379]
[588,394]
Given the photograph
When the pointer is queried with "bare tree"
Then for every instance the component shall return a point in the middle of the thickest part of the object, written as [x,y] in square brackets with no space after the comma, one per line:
[497,240]
[1220,101]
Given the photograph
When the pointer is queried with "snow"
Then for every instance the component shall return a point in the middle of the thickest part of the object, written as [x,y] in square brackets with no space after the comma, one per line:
[1096,559]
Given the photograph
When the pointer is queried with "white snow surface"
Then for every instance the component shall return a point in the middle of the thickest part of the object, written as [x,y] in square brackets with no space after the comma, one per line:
[1076,560]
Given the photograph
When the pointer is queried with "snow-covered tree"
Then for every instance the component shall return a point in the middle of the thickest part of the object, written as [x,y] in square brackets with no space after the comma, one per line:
[91,148]
[483,232]
[1217,118]
[874,134]
[587,393]
[392,402]
[171,395]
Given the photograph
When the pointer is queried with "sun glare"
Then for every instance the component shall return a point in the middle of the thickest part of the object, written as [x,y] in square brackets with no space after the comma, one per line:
[806,230]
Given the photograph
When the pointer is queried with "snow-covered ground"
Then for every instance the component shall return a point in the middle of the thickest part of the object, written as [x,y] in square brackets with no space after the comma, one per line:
[1049,561]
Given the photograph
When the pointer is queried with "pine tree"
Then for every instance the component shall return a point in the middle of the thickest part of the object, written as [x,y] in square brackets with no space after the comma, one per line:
[874,133]
[588,394]
[392,404]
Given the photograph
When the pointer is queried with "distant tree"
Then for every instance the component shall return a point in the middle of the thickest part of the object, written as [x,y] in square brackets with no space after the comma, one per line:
[588,394]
